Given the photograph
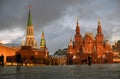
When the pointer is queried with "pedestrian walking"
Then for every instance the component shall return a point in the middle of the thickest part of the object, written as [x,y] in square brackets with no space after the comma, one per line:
[18,59]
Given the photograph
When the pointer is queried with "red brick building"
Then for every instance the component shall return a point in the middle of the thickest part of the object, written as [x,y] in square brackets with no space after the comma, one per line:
[96,47]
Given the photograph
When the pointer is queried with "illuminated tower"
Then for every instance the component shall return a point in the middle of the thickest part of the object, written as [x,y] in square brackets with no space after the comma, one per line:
[99,35]
[99,39]
[99,29]
[70,47]
[78,38]
[43,45]
[30,41]
[42,42]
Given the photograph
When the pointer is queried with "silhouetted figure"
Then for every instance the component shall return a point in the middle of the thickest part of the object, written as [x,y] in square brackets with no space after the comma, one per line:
[89,60]
[18,59]
[2,60]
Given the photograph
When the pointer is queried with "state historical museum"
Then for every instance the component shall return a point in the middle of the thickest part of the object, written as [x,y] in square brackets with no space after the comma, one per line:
[96,47]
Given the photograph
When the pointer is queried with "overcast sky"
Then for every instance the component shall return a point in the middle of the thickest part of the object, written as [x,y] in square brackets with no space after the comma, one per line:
[58,19]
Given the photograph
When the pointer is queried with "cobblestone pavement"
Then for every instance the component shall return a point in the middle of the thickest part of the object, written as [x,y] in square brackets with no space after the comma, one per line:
[106,71]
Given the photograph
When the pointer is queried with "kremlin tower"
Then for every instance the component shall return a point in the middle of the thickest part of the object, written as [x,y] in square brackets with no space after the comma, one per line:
[30,41]
[42,42]
[89,46]
[29,51]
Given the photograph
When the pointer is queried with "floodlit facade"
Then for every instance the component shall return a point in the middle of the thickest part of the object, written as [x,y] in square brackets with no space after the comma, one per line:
[97,47]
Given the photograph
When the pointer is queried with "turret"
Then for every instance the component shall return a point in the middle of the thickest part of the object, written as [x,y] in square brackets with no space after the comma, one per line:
[70,47]
[30,28]
[29,23]
[99,29]
[42,42]
[77,38]
[99,38]
[77,28]
[71,43]
[107,42]
[30,41]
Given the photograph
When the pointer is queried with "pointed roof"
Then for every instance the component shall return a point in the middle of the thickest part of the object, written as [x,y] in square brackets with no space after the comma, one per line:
[42,42]
[71,42]
[99,29]
[99,20]
[42,36]
[107,42]
[29,23]
[77,27]
[77,22]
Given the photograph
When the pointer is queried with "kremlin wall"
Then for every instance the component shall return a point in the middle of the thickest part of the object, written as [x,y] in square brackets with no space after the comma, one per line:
[78,51]
[8,51]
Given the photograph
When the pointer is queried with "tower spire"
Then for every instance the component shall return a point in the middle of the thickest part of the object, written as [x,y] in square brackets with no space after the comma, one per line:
[107,42]
[71,42]
[77,22]
[98,19]
[42,42]
[77,27]
[30,41]
[29,23]
[99,29]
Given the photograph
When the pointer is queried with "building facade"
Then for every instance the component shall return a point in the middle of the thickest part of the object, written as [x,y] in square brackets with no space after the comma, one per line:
[6,50]
[29,51]
[116,51]
[96,47]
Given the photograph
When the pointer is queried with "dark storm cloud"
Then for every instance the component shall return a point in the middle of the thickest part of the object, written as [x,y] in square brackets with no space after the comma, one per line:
[58,18]
[14,12]
[11,13]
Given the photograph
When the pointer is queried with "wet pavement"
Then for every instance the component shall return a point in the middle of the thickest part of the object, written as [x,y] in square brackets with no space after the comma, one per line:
[106,71]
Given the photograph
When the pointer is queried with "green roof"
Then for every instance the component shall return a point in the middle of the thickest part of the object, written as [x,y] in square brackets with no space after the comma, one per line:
[29,23]
[43,43]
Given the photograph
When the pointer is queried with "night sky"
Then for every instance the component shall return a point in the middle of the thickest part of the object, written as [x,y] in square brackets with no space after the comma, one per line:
[58,20]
